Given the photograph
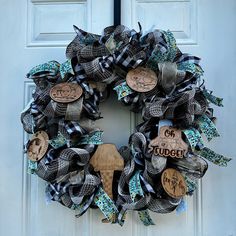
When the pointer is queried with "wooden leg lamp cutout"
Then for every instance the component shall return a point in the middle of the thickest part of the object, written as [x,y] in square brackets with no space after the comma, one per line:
[106,160]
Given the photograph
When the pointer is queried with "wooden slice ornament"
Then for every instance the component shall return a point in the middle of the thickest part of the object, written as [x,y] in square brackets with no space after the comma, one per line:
[173,183]
[106,160]
[169,143]
[141,79]
[38,146]
[66,92]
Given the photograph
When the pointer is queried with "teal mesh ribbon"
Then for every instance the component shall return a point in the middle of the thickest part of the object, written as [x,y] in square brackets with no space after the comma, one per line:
[58,141]
[106,205]
[191,184]
[93,138]
[159,56]
[207,127]
[171,43]
[213,99]
[66,68]
[135,189]
[194,138]
[123,90]
[51,67]
[217,159]
[32,166]
[190,67]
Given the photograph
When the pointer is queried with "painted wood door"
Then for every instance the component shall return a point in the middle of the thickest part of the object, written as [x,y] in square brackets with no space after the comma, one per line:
[35,31]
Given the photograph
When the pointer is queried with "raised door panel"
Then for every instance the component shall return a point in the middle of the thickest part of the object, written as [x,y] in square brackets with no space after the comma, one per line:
[179,16]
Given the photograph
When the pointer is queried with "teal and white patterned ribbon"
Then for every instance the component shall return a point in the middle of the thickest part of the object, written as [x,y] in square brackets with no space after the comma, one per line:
[159,56]
[52,67]
[135,186]
[145,218]
[106,205]
[136,189]
[58,141]
[93,138]
[194,138]
[207,127]
[123,90]
[171,43]
[32,167]
[213,99]
[217,159]
[66,68]
[190,67]
[191,184]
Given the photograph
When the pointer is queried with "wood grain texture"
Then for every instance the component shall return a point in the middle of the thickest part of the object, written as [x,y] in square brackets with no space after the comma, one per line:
[141,79]
[169,143]
[106,160]
[66,92]
[38,146]
[173,183]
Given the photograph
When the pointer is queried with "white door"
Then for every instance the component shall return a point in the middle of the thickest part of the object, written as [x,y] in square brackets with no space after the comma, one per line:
[36,31]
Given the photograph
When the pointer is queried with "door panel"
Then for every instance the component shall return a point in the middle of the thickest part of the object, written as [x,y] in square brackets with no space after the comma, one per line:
[178,16]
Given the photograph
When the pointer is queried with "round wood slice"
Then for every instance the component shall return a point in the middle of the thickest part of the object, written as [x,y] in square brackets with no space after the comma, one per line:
[141,79]
[38,146]
[173,183]
[66,92]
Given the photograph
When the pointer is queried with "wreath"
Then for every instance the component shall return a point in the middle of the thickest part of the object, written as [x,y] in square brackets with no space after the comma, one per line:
[165,155]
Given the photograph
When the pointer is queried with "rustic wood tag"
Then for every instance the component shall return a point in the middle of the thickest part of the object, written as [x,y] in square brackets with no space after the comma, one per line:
[141,79]
[38,146]
[66,92]
[173,183]
[107,159]
[169,143]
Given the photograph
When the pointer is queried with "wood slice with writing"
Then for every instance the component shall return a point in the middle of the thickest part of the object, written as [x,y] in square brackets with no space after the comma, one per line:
[66,92]
[169,143]
[173,183]
[38,146]
[141,79]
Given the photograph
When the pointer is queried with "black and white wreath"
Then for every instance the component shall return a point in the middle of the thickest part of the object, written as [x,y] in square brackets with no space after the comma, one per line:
[165,155]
